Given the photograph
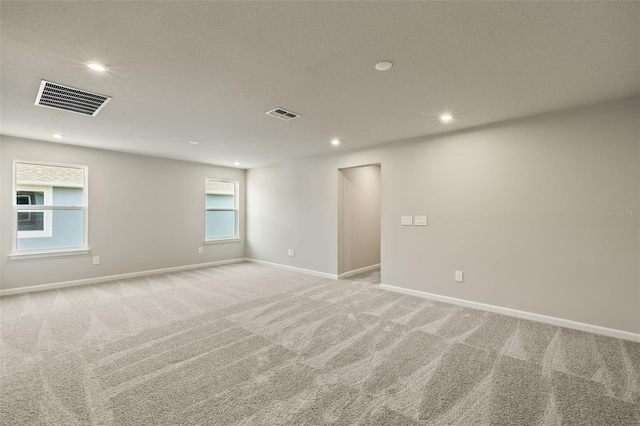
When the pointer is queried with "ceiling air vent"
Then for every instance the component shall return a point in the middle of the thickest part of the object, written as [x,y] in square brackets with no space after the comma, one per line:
[57,96]
[282,114]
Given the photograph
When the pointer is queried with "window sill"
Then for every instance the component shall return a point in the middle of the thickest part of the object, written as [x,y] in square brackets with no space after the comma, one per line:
[222,240]
[56,253]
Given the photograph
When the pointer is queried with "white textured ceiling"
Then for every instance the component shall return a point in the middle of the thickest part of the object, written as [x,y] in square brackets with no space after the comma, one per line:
[208,71]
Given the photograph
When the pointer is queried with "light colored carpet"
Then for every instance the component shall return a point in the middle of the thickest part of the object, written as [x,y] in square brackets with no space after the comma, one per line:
[251,345]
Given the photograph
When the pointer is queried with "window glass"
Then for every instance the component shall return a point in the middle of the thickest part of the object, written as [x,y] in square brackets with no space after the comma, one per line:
[221,205]
[221,224]
[41,192]
[67,232]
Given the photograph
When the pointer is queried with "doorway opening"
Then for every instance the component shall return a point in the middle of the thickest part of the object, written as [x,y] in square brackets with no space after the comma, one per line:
[359,223]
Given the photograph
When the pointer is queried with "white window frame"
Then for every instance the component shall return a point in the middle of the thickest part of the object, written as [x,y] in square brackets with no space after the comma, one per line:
[235,209]
[48,216]
[48,208]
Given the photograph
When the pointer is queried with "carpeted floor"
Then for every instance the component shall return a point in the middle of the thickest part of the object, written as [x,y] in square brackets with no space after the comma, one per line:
[251,345]
[372,277]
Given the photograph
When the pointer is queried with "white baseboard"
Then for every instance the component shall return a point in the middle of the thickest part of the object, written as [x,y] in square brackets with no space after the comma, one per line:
[293,268]
[620,334]
[43,287]
[357,271]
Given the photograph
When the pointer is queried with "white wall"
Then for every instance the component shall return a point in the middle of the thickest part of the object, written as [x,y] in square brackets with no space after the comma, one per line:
[358,218]
[520,207]
[145,213]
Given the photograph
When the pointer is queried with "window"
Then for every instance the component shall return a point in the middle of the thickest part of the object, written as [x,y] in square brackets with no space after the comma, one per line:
[50,209]
[221,210]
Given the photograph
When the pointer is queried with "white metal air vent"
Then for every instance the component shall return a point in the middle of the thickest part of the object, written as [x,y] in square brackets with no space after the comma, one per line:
[282,114]
[57,96]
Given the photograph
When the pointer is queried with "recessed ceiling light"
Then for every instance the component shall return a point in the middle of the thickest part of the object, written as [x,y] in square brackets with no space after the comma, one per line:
[193,142]
[335,142]
[446,117]
[58,136]
[384,65]
[237,163]
[97,66]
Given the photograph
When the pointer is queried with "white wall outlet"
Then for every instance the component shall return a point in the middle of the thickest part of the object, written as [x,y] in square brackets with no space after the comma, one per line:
[420,221]
[291,252]
[96,260]
[199,250]
[406,220]
[459,276]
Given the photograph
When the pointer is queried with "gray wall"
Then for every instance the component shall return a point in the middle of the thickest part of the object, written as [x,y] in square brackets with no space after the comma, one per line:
[145,213]
[527,209]
[358,218]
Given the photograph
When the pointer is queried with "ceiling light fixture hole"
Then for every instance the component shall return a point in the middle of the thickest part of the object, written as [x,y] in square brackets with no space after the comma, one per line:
[97,66]
[384,66]
[446,117]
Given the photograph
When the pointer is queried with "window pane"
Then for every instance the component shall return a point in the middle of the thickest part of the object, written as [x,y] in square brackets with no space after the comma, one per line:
[67,228]
[50,185]
[221,224]
[221,201]
[221,194]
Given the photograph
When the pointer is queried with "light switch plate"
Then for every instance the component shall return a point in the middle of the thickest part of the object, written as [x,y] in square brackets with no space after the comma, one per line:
[420,221]
[406,220]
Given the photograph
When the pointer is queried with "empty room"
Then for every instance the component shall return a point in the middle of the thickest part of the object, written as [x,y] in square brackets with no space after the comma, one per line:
[319,212]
